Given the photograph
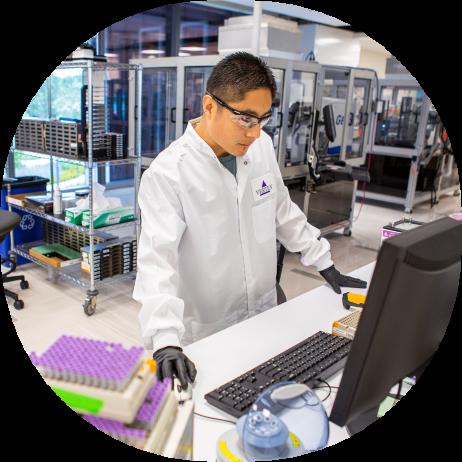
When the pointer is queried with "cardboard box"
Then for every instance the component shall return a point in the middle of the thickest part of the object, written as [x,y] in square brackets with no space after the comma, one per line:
[19,199]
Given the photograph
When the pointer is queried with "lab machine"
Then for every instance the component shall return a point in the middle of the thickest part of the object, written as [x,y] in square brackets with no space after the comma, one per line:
[411,157]
[172,94]
[350,92]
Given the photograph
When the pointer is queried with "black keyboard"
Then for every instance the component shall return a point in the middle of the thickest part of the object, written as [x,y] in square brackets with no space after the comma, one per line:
[316,358]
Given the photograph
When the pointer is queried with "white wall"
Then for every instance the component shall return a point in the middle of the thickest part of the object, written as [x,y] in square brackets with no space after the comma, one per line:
[331,45]
[343,48]
[373,60]
[309,36]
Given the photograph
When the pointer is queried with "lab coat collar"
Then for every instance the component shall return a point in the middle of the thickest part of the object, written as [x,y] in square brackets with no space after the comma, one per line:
[199,142]
[205,148]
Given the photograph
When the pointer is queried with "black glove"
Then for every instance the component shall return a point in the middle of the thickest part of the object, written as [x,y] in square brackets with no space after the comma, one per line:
[337,280]
[171,361]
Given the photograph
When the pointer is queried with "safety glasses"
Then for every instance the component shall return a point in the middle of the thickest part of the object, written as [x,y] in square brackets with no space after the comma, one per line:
[242,118]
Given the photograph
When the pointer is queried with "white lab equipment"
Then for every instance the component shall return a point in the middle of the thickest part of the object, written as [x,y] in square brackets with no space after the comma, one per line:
[287,420]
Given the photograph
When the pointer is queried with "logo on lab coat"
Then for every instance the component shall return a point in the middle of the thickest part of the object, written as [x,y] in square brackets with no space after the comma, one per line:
[265,189]
[262,187]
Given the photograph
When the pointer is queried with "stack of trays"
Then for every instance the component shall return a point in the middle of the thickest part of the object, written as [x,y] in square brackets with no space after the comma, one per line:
[114,388]
[63,138]
[55,233]
[114,145]
[99,129]
[29,135]
[110,258]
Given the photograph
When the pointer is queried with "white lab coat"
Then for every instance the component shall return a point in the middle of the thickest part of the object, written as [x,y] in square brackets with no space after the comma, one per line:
[207,250]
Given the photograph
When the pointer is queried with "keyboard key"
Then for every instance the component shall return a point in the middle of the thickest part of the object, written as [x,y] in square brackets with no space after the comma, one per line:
[265,369]
[272,373]
[228,401]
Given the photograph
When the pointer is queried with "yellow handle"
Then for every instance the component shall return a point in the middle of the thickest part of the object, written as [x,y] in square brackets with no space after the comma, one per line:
[356,298]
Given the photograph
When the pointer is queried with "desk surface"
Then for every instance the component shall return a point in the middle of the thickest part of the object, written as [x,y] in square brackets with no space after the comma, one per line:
[233,351]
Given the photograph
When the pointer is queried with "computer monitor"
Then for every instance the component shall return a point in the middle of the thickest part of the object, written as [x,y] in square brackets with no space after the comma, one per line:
[407,311]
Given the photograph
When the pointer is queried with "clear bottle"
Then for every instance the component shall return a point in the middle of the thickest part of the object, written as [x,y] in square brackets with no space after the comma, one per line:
[57,201]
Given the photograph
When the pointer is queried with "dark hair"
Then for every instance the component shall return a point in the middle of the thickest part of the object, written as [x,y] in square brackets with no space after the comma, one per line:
[239,73]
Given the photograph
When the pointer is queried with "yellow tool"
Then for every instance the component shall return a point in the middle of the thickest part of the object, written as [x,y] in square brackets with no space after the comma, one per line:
[350,300]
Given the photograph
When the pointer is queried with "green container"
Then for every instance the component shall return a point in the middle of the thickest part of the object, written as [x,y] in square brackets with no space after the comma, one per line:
[73,215]
[109,217]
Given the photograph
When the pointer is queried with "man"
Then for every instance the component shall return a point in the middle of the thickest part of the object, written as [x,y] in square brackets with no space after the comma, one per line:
[213,205]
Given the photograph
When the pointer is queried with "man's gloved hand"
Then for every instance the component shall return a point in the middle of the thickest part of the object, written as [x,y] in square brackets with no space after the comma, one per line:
[172,362]
[337,280]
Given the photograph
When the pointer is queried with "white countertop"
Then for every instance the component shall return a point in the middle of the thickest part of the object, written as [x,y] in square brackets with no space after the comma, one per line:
[229,353]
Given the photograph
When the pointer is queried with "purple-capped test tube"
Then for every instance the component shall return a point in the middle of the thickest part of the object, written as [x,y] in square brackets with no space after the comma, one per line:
[153,404]
[119,430]
[95,362]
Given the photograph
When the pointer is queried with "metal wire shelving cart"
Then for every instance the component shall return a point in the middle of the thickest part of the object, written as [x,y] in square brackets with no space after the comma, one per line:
[95,143]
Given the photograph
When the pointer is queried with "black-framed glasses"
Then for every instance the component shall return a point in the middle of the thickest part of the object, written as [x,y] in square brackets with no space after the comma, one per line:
[242,118]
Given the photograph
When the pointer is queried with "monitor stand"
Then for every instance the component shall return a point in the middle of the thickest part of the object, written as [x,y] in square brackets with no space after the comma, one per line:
[362,421]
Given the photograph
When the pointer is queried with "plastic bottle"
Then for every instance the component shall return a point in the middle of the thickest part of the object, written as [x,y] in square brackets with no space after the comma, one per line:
[57,201]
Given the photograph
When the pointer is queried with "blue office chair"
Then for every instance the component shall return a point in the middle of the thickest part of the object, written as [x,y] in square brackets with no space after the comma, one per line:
[9,221]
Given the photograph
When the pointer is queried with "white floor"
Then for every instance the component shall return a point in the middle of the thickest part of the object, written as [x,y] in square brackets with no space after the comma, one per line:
[55,308]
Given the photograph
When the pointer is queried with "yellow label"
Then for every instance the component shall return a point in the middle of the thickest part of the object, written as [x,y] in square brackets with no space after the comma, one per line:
[295,440]
[227,453]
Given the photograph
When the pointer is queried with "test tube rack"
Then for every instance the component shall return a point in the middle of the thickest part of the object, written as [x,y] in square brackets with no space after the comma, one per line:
[95,377]
[346,326]
[152,424]
[115,389]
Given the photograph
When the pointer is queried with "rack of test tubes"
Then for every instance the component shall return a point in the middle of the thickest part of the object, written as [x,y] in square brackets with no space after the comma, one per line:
[97,377]
[152,425]
[116,390]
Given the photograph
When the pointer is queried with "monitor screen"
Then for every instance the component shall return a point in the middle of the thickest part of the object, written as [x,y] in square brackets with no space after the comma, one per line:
[408,308]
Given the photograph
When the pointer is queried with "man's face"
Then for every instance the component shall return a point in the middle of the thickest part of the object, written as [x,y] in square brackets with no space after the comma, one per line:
[226,133]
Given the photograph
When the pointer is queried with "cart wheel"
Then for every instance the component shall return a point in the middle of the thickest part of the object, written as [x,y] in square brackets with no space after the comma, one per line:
[89,306]
[19,304]
[24,285]
[347,232]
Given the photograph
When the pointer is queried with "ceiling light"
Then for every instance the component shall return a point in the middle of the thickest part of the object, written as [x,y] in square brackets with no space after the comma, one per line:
[193,48]
[327,41]
[153,52]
